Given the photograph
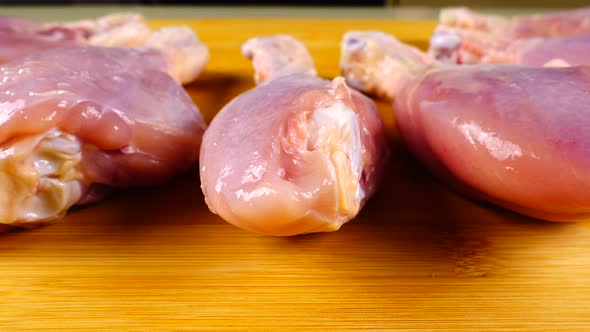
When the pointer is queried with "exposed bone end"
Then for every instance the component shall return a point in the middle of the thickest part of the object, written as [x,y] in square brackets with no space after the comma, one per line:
[375,62]
[276,56]
[359,60]
[445,45]
[460,46]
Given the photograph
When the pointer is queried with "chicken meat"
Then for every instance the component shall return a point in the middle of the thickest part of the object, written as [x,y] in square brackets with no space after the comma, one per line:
[575,22]
[516,136]
[466,46]
[77,121]
[186,54]
[297,154]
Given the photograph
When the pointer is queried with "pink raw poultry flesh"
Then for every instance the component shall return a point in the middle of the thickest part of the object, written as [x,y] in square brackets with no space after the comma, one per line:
[516,136]
[464,46]
[297,154]
[77,120]
[559,24]
[555,39]
[186,55]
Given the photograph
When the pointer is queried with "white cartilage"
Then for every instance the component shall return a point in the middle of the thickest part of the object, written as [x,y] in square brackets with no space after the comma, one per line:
[335,130]
[40,177]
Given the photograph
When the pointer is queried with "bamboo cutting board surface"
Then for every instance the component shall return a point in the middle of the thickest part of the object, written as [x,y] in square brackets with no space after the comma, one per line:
[419,257]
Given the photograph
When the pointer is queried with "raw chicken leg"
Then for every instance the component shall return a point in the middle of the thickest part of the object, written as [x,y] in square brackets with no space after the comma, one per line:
[373,61]
[566,23]
[297,154]
[465,46]
[186,59]
[516,136]
[78,120]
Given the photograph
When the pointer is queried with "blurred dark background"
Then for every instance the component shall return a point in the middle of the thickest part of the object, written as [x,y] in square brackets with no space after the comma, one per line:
[341,3]
[202,2]
[387,3]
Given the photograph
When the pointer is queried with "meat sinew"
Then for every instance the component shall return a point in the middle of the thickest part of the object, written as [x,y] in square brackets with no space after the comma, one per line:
[297,154]
[78,120]
[186,54]
[513,135]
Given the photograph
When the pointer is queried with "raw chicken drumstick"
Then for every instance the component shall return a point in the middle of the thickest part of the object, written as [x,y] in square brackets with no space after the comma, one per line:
[187,56]
[76,121]
[559,24]
[298,153]
[466,46]
[513,135]
[557,39]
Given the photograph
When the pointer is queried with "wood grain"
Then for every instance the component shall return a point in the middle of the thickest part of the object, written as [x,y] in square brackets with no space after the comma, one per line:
[418,258]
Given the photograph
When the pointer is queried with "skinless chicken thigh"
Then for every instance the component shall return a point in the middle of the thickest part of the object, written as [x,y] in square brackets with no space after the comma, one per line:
[516,136]
[298,153]
[78,120]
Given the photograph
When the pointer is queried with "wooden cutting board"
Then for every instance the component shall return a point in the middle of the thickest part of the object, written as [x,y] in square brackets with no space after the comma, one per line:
[419,257]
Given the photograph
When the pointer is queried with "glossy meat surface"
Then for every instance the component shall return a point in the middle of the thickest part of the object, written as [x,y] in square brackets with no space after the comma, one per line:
[513,135]
[77,120]
[504,133]
[297,154]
